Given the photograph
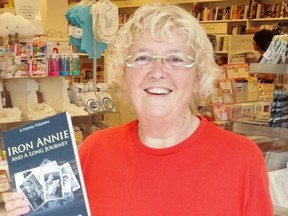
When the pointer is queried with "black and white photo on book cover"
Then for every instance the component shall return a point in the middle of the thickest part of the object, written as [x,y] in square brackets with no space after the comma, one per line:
[44,165]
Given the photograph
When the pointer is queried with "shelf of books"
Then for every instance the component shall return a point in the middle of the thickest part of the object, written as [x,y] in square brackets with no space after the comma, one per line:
[268,19]
[137,3]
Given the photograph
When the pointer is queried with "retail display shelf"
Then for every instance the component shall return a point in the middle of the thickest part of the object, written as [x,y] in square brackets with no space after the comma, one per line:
[137,3]
[269,68]
[254,129]
[225,21]
[269,19]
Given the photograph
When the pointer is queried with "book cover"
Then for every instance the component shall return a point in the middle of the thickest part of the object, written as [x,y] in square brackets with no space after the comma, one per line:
[212,39]
[220,14]
[44,165]
[253,10]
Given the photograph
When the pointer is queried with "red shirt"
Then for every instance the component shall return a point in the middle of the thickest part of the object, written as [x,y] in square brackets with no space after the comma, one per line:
[212,173]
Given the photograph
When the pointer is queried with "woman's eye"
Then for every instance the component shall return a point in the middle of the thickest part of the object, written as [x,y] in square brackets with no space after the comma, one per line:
[142,59]
[175,59]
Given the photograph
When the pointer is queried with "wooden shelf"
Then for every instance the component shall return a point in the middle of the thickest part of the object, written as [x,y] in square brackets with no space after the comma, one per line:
[137,3]
[269,19]
[225,21]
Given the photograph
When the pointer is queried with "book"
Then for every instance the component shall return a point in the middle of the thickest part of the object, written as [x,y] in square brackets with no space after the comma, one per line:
[259,11]
[253,9]
[284,9]
[43,164]
[279,187]
[212,39]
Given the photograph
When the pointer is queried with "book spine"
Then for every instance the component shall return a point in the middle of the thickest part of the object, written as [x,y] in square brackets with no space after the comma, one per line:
[216,13]
[246,9]
[259,11]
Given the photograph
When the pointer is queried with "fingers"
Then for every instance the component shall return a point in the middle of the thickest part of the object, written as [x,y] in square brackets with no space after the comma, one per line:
[15,204]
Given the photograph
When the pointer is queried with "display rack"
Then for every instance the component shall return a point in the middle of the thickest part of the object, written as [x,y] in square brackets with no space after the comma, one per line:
[259,128]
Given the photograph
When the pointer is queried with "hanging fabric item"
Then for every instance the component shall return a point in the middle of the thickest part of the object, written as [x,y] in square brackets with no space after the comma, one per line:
[104,20]
[80,30]
[277,52]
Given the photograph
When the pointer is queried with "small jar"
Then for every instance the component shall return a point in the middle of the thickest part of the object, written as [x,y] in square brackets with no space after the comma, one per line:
[53,66]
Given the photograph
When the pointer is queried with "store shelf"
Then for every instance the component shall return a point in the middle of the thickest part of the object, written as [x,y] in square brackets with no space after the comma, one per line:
[221,52]
[137,3]
[226,21]
[269,68]
[254,129]
[277,19]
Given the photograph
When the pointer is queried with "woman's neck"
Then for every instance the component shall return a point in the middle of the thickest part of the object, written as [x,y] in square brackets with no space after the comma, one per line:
[167,132]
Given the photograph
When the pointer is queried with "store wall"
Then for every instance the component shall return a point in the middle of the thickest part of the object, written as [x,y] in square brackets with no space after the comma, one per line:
[53,17]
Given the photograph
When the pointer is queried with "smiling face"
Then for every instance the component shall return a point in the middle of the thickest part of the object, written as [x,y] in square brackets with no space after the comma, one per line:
[158,91]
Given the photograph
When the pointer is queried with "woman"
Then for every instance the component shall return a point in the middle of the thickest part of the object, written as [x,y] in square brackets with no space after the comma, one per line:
[261,42]
[168,161]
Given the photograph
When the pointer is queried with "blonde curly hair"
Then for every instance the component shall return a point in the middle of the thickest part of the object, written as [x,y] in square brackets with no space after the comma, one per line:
[161,22]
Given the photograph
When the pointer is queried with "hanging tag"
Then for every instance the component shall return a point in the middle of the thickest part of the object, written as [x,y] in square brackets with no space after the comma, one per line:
[78,32]
[71,30]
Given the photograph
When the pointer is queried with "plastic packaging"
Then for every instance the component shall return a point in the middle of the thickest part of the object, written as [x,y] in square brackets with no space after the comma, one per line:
[53,66]
[64,65]
[75,65]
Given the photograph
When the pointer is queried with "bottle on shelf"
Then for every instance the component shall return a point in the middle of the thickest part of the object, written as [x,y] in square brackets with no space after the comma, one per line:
[75,65]
[53,66]
[64,65]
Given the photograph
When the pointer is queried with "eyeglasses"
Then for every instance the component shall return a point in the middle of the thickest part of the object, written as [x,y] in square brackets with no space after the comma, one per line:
[169,62]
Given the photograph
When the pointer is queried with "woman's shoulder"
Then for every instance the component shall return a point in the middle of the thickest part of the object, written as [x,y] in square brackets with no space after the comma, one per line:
[110,135]
[119,129]
[228,139]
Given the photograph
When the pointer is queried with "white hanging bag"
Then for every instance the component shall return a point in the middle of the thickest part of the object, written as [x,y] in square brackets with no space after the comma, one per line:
[104,20]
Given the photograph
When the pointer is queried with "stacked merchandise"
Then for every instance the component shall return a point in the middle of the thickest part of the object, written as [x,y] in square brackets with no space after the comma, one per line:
[279,109]
[83,95]
[238,98]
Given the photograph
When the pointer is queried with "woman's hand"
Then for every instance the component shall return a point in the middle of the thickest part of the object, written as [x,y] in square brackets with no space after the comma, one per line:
[15,204]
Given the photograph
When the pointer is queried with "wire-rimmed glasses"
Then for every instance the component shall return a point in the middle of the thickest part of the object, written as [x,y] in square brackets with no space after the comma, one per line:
[144,61]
